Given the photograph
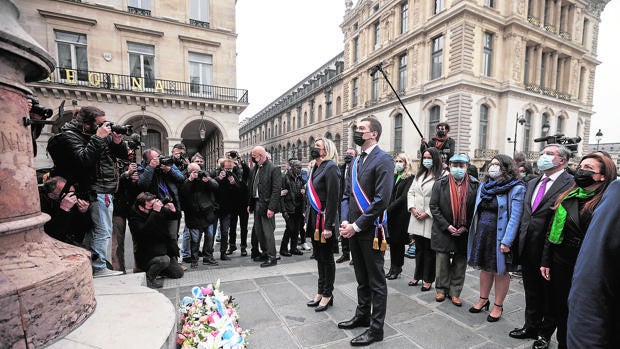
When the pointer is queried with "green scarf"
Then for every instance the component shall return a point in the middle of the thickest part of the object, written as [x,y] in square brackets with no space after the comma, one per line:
[557,228]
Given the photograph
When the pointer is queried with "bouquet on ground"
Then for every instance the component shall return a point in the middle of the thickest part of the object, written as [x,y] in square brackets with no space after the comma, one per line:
[209,320]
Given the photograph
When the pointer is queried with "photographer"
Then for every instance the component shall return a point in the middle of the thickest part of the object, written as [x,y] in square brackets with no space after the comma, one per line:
[37,112]
[155,248]
[179,154]
[161,177]
[200,207]
[241,215]
[292,202]
[85,152]
[444,143]
[228,196]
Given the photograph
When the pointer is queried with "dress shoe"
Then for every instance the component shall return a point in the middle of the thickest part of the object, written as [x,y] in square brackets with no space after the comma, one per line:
[413,282]
[394,274]
[345,257]
[523,333]
[296,252]
[541,343]
[260,259]
[367,338]
[426,287]
[269,263]
[493,318]
[285,254]
[388,273]
[224,257]
[440,297]
[484,306]
[244,252]
[456,301]
[324,307]
[312,303]
[354,322]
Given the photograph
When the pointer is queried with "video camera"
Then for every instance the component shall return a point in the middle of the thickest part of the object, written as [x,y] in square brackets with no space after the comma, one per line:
[120,129]
[572,143]
[43,112]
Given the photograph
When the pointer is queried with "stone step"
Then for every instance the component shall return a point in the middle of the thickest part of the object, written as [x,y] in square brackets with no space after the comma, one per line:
[128,315]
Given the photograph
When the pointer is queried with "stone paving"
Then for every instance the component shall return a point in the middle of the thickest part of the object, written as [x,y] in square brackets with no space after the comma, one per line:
[273,303]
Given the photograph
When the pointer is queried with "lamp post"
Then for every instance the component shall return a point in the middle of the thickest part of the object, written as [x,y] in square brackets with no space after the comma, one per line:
[202,131]
[144,129]
[545,128]
[520,119]
[599,137]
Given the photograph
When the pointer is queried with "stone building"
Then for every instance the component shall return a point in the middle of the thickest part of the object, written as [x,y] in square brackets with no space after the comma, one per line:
[168,68]
[501,73]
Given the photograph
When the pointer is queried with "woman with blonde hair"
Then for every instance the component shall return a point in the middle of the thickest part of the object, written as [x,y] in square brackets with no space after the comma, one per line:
[397,215]
[322,221]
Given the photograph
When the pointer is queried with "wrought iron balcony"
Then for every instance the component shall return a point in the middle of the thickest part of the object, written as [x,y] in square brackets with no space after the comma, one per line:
[198,23]
[548,91]
[485,154]
[136,84]
[139,11]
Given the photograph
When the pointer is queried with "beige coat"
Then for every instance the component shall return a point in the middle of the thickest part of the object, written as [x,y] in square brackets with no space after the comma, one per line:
[418,197]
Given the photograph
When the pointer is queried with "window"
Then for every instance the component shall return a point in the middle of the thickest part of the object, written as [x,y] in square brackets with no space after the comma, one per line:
[402,73]
[354,93]
[200,73]
[436,57]
[374,88]
[584,33]
[560,125]
[484,126]
[328,104]
[487,54]
[139,7]
[72,55]
[526,131]
[312,111]
[299,116]
[404,17]
[439,5]
[398,133]
[433,119]
[490,3]
[199,13]
[543,69]
[376,35]
[355,49]
[547,14]
[288,122]
[142,64]
[545,120]
[526,65]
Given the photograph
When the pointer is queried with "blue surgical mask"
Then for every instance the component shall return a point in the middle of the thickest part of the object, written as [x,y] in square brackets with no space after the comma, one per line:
[523,174]
[399,166]
[494,171]
[545,162]
[457,172]
[428,163]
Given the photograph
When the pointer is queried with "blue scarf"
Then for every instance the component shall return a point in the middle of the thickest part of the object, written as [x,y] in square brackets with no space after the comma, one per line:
[491,188]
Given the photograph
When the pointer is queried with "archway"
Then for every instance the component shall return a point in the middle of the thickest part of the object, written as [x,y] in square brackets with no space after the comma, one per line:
[211,146]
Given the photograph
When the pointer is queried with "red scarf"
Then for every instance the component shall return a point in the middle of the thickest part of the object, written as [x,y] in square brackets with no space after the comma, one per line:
[458,201]
[439,141]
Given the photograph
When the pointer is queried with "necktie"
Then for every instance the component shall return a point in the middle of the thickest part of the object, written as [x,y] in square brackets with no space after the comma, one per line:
[540,194]
[107,200]
[363,157]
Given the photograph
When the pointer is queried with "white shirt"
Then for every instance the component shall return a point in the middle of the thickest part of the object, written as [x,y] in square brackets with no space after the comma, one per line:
[552,179]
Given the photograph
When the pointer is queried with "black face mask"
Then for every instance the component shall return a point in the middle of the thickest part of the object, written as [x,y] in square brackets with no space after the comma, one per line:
[254,160]
[315,152]
[358,138]
[348,158]
[441,133]
[583,178]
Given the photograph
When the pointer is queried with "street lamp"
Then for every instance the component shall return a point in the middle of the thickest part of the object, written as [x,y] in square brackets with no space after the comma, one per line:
[202,131]
[520,119]
[545,128]
[144,129]
[599,137]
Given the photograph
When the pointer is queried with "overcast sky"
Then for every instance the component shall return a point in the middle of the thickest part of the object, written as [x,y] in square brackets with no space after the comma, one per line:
[281,42]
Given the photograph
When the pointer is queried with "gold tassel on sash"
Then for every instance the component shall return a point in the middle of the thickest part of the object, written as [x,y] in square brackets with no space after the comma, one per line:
[316,234]
[323,241]
[383,245]
[375,243]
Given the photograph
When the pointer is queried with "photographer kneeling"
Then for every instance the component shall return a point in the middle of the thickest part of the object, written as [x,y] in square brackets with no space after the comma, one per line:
[155,249]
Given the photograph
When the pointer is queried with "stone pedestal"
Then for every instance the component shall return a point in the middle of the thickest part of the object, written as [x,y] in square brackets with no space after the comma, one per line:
[46,287]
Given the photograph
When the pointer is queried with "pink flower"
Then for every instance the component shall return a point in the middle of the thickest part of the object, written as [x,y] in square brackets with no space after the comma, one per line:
[207,291]
[204,319]
[180,338]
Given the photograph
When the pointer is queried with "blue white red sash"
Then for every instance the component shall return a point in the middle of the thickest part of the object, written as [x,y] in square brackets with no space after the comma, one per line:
[315,202]
[362,201]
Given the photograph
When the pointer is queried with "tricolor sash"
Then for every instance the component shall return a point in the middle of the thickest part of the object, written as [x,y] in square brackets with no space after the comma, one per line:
[362,201]
[315,202]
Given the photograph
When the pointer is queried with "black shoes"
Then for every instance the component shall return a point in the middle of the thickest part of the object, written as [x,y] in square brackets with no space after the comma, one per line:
[269,263]
[393,273]
[413,283]
[209,261]
[541,343]
[243,252]
[345,257]
[493,318]
[523,333]
[297,252]
[425,288]
[285,254]
[354,323]
[224,257]
[154,283]
[324,307]
[312,303]
[260,259]
[484,306]
[231,250]
[367,338]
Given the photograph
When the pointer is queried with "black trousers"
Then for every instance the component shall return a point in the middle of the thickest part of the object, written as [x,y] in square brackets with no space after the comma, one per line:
[539,313]
[324,256]
[371,284]
[242,217]
[562,267]
[424,260]
[293,222]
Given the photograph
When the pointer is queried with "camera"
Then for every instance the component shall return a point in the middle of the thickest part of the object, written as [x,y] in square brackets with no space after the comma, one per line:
[120,129]
[233,154]
[166,200]
[166,160]
[40,110]
[572,143]
[202,174]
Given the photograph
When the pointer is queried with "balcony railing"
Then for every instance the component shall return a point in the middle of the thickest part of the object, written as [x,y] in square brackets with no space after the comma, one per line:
[485,154]
[548,91]
[198,23]
[139,11]
[117,82]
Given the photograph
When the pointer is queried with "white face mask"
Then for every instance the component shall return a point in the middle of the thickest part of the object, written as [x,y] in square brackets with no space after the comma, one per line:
[428,163]
[494,171]
[399,166]
[545,162]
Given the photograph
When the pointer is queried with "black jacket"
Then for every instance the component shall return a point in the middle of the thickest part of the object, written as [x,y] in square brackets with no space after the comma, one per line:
[326,181]
[87,160]
[150,234]
[398,215]
[198,202]
[269,185]
[294,200]
[228,195]
[446,149]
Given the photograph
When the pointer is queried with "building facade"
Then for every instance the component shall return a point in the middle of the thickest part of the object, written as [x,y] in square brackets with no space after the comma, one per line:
[496,71]
[167,68]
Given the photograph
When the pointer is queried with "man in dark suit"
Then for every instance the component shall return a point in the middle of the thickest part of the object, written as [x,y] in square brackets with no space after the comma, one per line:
[375,177]
[344,171]
[264,185]
[540,195]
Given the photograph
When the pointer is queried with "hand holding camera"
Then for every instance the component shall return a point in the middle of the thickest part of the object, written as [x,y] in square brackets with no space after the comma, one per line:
[157,205]
[103,130]
[82,205]
[68,201]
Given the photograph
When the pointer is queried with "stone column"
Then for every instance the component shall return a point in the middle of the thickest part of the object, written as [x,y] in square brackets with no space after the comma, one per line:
[46,287]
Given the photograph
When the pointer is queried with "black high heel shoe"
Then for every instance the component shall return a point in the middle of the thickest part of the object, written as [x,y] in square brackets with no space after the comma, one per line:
[413,283]
[324,307]
[394,274]
[313,303]
[484,306]
[492,318]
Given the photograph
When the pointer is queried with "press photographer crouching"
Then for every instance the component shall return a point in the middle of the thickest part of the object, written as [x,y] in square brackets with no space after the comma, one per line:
[155,250]
[200,207]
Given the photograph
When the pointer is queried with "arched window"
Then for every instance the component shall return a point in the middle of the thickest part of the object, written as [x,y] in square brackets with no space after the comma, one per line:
[320,113]
[337,141]
[398,133]
[527,137]
[338,106]
[433,119]
[483,126]
[544,120]
[560,125]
